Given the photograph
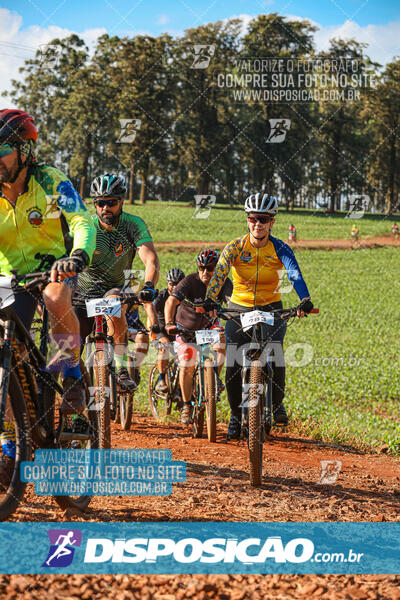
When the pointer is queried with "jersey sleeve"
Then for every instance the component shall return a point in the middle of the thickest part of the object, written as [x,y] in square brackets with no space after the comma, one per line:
[77,216]
[221,272]
[139,230]
[181,290]
[288,259]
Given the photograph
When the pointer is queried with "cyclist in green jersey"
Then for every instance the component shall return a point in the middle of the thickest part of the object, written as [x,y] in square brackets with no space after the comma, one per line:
[39,209]
[119,236]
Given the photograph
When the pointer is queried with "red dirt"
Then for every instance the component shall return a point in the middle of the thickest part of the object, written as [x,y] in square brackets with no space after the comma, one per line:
[335,244]
[217,489]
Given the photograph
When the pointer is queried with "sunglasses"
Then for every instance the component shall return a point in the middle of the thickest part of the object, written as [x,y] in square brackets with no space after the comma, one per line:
[5,149]
[262,220]
[109,203]
[209,268]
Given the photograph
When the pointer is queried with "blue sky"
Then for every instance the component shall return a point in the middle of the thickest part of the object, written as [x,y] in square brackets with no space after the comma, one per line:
[155,16]
[28,25]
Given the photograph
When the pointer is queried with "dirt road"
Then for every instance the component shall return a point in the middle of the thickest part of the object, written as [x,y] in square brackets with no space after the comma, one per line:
[217,489]
[334,244]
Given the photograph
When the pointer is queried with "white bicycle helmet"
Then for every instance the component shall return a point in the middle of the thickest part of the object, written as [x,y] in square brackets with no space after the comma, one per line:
[261,203]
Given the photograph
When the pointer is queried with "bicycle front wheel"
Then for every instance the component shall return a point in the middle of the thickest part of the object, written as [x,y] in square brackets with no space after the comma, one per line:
[211,400]
[91,420]
[17,413]
[100,381]
[160,403]
[196,409]
[256,433]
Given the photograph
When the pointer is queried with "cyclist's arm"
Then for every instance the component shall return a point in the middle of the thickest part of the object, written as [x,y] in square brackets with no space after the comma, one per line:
[148,256]
[229,253]
[170,309]
[288,260]
[151,313]
[78,218]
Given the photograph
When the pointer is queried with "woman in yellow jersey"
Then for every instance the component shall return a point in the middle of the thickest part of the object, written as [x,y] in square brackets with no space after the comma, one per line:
[257,261]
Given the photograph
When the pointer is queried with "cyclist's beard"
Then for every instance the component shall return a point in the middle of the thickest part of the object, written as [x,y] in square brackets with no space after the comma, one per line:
[110,219]
[5,174]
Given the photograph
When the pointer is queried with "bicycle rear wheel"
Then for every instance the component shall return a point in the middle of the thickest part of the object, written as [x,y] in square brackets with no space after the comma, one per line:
[18,414]
[211,400]
[256,427]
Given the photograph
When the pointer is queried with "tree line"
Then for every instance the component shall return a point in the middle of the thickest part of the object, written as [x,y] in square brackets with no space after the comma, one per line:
[154,109]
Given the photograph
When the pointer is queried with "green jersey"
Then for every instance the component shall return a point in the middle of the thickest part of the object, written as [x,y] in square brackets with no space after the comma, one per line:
[114,254]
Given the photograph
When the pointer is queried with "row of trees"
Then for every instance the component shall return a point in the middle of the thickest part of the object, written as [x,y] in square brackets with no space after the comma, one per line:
[151,108]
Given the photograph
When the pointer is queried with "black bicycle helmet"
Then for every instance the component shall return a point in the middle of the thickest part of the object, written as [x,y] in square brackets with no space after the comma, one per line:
[175,275]
[108,185]
[207,257]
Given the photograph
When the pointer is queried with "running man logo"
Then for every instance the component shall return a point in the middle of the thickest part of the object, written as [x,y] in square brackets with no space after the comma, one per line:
[204,204]
[62,542]
[279,129]
[129,129]
[357,206]
[202,56]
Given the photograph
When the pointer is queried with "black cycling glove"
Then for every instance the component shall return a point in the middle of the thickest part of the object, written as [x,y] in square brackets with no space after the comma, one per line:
[147,293]
[306,306]
[210,305]
[77,262]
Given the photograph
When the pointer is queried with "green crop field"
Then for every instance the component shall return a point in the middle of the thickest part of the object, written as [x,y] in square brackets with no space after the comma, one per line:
[342,372]
[170,222]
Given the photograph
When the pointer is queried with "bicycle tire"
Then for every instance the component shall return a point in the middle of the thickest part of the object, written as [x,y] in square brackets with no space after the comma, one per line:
[160,404]
[211,400]
[256,437]
[100,380]
[11,498]
[197,411]
[114,404]
[126,410]
[82,502]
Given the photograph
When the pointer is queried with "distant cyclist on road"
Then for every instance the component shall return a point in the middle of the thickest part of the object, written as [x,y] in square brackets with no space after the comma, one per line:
[119,236]
[174,276]
[256,260]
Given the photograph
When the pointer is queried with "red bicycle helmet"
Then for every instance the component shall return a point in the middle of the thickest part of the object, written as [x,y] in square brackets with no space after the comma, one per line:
[17,127]
[207,257]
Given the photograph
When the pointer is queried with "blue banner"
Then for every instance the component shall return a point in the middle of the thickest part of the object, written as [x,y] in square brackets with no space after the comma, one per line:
[246,548]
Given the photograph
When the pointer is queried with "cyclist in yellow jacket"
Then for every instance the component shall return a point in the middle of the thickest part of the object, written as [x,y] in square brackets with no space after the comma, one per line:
[257,261]
[42,213]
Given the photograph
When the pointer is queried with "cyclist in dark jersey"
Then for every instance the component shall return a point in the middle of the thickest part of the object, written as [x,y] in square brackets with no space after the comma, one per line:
[119,236]
[174,276]
[180,308]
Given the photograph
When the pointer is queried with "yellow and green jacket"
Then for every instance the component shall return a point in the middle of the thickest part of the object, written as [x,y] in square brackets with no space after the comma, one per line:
[49,217]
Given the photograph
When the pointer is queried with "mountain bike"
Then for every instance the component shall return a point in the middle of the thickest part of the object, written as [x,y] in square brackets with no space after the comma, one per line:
[162,404]
[112,403]
[257,374]
[30,396]
[205,394]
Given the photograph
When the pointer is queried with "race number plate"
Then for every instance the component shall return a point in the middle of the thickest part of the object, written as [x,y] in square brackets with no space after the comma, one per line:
[103,306]
[6,293]
[207,336]
[249,319]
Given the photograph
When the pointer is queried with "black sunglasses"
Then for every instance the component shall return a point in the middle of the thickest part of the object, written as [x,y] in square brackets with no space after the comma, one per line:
[209,268]
[109,203]
[262,220]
